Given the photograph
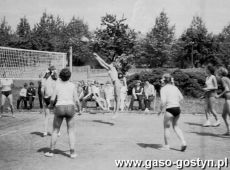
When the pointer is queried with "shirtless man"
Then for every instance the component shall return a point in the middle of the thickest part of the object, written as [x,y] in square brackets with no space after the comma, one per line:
[113,74]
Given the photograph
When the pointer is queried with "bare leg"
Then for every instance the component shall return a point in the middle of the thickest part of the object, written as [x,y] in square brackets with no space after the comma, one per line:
[11,104]
[178,130]
[3,103]
[46,120]
[71,131]
[167,121]
[56,128]
[212,109]
[226,112]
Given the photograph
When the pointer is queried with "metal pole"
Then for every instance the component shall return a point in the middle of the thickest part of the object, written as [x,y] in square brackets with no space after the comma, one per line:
[192,56]
[71,61]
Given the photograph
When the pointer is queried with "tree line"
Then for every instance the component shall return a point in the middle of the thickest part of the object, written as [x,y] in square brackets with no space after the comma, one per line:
[116,41]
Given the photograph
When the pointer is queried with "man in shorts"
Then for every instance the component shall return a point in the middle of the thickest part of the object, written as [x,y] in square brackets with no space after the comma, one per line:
[113,74]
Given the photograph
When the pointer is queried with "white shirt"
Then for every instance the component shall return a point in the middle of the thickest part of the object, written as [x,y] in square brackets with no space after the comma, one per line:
[96,90]
[6,84]
[48,86]
[170,96]
[149,90]
[210,82]
[66,93]
[23,92]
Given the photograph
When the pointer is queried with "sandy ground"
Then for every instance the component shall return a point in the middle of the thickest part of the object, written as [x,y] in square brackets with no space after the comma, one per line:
[101,140]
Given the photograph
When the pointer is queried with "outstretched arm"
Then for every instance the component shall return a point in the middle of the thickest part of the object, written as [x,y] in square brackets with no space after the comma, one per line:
[101,61]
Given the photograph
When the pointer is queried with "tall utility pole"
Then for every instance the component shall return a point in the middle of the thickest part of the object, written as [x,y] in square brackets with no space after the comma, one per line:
[192,62]
[71,60]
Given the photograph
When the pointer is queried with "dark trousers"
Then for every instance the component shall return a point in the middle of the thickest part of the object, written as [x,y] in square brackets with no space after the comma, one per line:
[140,100]
[40,100]
[31,101]
[20,99]
[148,101]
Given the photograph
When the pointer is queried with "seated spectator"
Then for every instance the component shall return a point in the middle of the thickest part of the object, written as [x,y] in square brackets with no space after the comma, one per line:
[22,97]
[97,97]
[137,94]
[86,95]
[150,94]
[109,94]
[31,93]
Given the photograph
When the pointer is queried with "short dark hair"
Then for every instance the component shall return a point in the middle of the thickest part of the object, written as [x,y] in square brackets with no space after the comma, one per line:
[65,74]
[222,71]
[25,85]
[211,69]
[31,83]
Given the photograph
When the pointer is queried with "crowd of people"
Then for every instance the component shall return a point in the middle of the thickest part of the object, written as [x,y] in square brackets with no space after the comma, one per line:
[103,95]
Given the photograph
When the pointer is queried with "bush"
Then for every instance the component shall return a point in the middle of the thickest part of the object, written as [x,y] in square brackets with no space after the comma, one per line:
[189,82]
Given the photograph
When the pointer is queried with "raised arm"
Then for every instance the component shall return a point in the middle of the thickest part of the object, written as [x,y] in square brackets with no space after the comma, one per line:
[101,61]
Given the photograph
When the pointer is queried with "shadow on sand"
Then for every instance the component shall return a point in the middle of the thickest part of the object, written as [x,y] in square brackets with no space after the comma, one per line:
[39,134]
[103,122]
[56,151]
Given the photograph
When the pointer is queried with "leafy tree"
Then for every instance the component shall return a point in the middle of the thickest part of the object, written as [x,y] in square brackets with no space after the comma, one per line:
[72,34]
[22,37]
[5,33]
[46,34]
[116,41]
[159,42]
[196,46]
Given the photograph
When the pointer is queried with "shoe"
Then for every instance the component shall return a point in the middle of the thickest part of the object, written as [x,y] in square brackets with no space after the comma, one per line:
[217,123]
[49,154]
[207,124]
[45,134]
[165,148]
[183,148]
[59,134]
[226,134]
[146,110]
[73,155]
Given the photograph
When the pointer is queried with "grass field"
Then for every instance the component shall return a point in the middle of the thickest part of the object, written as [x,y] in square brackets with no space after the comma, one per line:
[101,140]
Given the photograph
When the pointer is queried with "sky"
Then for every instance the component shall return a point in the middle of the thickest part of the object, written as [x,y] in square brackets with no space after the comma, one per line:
[140,14]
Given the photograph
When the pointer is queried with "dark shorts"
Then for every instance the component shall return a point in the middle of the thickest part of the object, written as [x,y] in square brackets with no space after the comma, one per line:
[48,101]
[64,111]
[211,93]
[227,96]
[6,93]
[175,111]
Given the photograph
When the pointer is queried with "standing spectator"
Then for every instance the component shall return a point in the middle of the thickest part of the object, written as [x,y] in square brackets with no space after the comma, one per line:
[109,94]
[137,94]
[150,94]
[31,93]
[22,96]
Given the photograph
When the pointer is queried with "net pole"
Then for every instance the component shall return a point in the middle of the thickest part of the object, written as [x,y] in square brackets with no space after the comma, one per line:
[71,61]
